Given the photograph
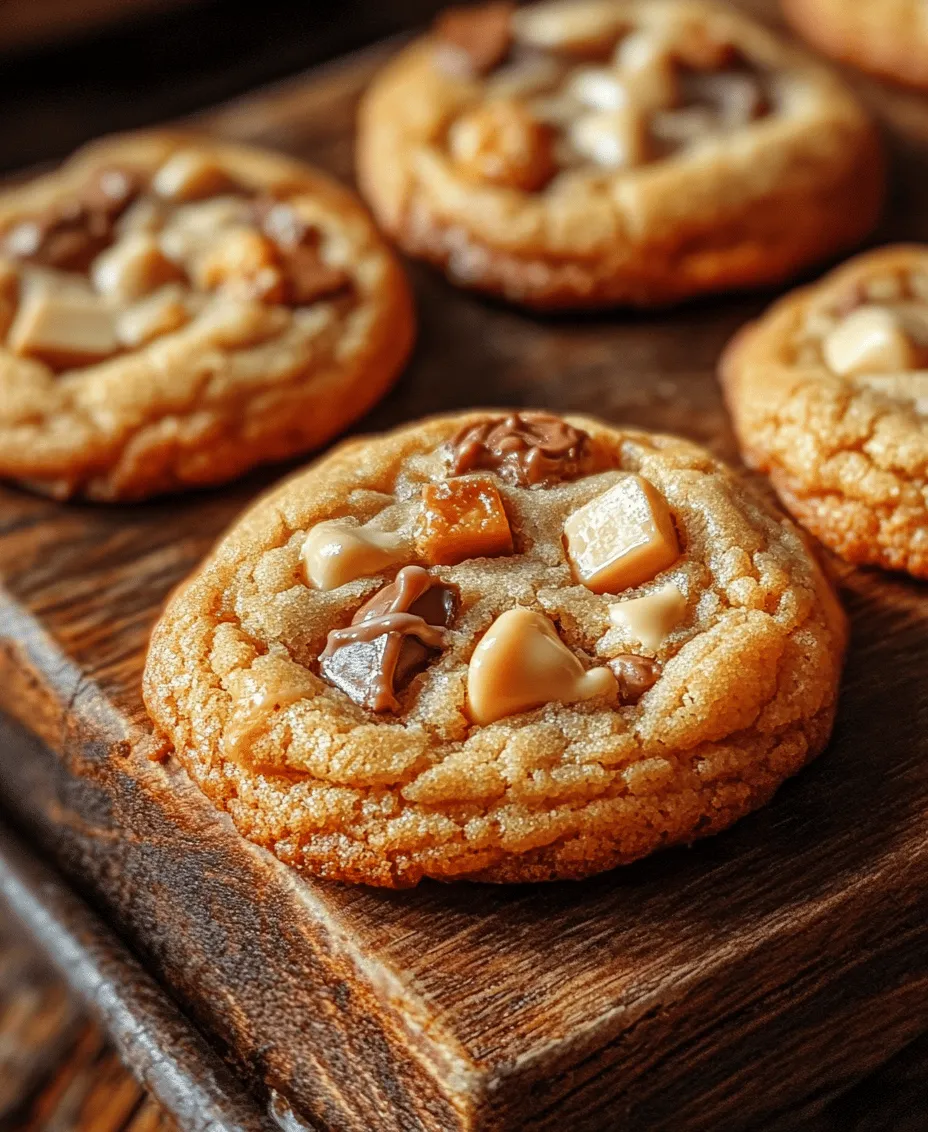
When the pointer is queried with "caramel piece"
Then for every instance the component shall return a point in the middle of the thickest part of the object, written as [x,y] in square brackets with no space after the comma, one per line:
[635,675]
[649,618]
[133,267]
[526,448]
[474,40]
[871,339]
[462,518]
[521,663]
[616,139]
[63,328]
[622,538]
[160,313]
[191,175]
[502,143]
[390,638]
[242,263]
[335,553]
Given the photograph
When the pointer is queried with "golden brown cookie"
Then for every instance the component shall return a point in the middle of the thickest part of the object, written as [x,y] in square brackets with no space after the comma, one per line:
[829,396]
[498,647]
[175,310]
[886,37]
[596,152]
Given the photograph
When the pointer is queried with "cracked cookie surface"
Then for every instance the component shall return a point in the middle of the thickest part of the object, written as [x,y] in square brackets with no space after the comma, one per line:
[601,737]
[608,152]
[175,310]
[829,396]
[886,37]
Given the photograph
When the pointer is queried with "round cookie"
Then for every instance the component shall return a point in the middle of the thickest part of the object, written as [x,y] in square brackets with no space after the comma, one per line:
[888,38]
[505,648]
[175,310]
[829,396]
[582,153]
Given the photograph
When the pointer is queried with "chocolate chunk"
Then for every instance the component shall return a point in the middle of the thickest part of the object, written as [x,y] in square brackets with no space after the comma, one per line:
[475,40]
[70,235]
[527,448]
[306,274]
[390,639]
[635,674]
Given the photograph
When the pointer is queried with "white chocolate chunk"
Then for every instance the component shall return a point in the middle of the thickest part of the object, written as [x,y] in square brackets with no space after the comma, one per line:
[64,327]
[568,25]
[622,538]
[134,266]
[649,618]
[871,339]
[616,139]
[598,87]
[521,663]
[159,313]
[335,553]
[190,175]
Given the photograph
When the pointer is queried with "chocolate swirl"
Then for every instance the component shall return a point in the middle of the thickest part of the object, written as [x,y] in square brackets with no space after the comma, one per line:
[527,448]
[390,638]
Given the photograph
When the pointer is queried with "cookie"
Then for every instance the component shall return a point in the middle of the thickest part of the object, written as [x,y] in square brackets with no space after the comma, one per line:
[888,38]
[829,396]
[498,647]
[584,153]
[175,310]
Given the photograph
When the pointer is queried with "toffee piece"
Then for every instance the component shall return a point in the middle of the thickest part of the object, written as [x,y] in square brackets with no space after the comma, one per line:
[390,638]
[526,448]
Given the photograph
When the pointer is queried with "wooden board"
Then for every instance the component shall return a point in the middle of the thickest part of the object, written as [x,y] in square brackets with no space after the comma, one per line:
[716,987]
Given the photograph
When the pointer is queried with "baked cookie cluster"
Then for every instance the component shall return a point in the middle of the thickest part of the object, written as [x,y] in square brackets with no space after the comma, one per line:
[513,647]
[829,394]
[612,151]
[167,305]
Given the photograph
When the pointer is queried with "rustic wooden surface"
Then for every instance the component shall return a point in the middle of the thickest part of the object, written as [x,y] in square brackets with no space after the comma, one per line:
[718,987]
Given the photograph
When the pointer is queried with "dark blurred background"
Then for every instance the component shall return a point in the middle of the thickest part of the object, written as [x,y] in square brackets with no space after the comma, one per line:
[73,69]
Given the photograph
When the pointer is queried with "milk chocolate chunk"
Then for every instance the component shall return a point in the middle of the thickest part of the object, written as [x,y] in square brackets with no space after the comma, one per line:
[475,40]
[635,675]
[526,448]
[390,638]
[307,276]
[71,234]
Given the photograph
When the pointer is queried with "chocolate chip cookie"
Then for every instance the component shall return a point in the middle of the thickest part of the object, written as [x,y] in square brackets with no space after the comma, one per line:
[829,395]
[593,152]
[507,647]
[886,37]
[175,310]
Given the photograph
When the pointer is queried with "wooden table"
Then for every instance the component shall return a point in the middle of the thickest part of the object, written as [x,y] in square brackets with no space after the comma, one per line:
[729,986]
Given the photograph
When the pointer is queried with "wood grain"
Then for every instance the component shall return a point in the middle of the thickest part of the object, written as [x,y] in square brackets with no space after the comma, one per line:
[718,987]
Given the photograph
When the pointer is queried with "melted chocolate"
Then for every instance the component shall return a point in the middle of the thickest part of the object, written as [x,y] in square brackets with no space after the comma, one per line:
[390,638]
[635,674]
[527,448]
[69,235]
[307,276]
